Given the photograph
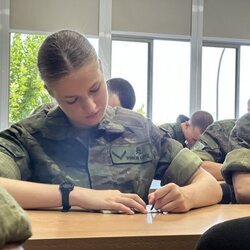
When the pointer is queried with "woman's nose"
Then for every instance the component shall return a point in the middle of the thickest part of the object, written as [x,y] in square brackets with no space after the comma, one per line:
[89,105]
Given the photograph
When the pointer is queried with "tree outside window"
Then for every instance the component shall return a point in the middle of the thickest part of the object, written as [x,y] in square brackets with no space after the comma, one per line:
[26,87]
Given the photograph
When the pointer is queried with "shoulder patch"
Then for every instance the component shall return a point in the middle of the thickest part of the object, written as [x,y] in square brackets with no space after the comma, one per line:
[198,146]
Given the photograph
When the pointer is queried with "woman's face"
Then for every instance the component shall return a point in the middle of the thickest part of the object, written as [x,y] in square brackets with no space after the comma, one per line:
[82,95]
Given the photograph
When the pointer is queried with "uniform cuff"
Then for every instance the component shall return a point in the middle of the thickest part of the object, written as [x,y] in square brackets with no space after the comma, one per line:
[15,226]
[237,160]
[182,168]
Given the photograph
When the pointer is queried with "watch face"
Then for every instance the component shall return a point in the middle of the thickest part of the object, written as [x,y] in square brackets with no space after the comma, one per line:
[66,186]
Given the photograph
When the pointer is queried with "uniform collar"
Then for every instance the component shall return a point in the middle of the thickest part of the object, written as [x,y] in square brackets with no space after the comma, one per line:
[58,127]
[179,134]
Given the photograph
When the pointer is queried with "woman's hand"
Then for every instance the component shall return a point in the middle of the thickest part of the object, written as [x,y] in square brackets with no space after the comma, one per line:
[170,198]
[91,199]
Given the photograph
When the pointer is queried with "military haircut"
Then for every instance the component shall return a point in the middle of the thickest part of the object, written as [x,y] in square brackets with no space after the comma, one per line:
[182,118]
[201,119]
[124,90]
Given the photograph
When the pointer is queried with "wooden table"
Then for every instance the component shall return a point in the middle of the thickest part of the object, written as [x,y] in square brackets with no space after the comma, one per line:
[80,230]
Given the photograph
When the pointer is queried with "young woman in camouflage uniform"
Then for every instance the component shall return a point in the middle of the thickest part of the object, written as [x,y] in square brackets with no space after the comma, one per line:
[110,155]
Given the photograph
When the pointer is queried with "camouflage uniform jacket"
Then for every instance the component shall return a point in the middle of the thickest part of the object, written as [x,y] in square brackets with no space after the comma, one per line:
[238,159]
[125,152]
[213,144]
[174,131]
[14,224]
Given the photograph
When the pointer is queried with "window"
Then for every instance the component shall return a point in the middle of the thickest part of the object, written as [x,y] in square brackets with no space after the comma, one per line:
[130,61]
[244,79]
[26,87]
[218,81]
[171,76]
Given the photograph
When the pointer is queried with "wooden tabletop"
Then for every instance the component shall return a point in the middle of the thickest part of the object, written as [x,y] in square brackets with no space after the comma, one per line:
[75,229]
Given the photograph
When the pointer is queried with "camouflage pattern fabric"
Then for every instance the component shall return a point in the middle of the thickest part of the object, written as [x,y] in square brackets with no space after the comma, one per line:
[213,144]
[14,224]
[238,160]
[44,106]
[125,151]
[174,131]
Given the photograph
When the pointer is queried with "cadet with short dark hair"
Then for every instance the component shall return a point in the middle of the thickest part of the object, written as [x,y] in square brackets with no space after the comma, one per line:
[85,154]
[188,132]
[182,118]
[121,93]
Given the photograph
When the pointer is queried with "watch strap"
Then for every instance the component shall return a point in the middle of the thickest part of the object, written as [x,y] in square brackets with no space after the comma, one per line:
[65,189]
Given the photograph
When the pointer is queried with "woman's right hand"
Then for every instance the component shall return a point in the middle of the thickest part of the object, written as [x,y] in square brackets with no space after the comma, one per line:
[90,199]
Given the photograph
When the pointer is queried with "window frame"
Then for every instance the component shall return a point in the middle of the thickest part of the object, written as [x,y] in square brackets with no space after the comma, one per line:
[237,69]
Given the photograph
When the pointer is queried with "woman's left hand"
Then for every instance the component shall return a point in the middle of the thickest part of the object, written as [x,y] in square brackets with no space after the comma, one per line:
[170,198]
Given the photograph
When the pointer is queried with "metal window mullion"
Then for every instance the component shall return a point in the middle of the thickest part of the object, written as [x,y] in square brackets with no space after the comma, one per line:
[196,55]
[237,82]
[150,80]
[4,62]
[105,32]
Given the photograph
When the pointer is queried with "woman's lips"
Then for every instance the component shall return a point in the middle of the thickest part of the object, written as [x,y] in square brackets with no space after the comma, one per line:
[92,115]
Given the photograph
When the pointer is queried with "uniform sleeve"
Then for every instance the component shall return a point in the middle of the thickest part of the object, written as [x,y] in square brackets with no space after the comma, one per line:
[15,226]
[208,147]
[238,160]
[240,134]
[182,168]
[175,164]
[14,158]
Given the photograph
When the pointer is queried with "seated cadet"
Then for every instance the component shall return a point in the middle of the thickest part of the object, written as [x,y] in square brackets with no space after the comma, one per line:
[188,132]
[212,147]
[84,153]
[236,167]
[121,93]
[14,224]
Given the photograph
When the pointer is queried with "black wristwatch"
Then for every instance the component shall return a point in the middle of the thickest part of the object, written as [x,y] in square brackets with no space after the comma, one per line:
[65,188]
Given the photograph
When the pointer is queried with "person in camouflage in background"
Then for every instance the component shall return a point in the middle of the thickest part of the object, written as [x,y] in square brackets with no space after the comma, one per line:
[212,147]
[14,224]
[111,155]
[188,132]
[120,93]
[236,167]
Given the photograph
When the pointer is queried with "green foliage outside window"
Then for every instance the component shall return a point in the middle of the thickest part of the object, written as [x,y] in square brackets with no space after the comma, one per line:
[26,87]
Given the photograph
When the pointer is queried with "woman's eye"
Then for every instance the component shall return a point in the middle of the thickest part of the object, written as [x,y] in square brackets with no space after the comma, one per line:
[94,90]
[73,101]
